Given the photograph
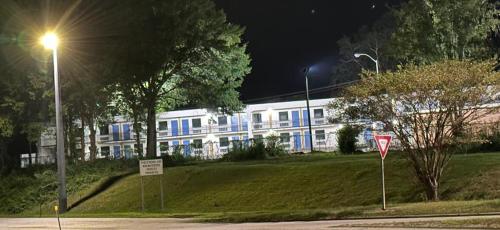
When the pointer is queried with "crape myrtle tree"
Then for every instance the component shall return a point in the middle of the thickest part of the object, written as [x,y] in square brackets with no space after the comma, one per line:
[428,108]
[174,52]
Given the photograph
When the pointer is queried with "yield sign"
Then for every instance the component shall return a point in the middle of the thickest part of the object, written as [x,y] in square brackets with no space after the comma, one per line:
[383,142]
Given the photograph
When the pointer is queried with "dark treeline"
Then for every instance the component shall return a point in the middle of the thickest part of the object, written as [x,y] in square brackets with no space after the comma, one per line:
[115,57]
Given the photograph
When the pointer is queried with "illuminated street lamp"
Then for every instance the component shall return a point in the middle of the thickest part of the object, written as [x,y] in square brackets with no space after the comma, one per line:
[357,55]
[50,41]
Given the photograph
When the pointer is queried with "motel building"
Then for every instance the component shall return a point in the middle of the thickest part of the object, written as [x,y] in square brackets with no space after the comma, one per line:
[210,135]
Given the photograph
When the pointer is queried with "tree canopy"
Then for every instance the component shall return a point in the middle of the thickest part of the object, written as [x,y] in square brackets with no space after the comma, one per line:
[428,107]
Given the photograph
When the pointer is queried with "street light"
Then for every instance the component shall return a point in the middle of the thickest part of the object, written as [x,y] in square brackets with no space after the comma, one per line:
[357,55]
[306,73]
[50,41]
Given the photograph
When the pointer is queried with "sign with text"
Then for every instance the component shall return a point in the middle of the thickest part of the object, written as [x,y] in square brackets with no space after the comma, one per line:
[151,167]
[383,142]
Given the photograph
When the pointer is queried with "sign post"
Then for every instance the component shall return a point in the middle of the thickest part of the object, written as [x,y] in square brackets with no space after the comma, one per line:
[383,142]
[151,168]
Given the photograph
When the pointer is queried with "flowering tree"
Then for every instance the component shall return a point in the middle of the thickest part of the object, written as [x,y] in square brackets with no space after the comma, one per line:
[427,107]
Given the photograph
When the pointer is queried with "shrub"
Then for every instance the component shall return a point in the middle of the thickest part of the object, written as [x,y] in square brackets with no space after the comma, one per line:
[273,146]
[346,139]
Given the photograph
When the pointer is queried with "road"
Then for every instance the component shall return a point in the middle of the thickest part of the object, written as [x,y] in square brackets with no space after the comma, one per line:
[170,223]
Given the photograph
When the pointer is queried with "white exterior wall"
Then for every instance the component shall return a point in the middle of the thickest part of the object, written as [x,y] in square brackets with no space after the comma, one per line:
[211,132]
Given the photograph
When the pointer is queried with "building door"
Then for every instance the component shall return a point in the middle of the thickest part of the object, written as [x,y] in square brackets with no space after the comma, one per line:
[116,151]
[126,132]
[187,148]
[296,141]
[116,132]
[295,119]
[185,127]
[307,141]
[128,151]
[305,121]
[175,127]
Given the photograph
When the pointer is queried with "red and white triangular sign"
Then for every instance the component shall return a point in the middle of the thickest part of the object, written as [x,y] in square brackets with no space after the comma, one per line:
[383,142]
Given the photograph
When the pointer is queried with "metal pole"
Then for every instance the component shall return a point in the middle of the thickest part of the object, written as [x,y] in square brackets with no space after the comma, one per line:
[161,191]
[61,158]
[142,194]
[383,184]
[309,111]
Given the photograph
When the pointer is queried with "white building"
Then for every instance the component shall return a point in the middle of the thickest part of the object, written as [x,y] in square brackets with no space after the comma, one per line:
[207,134]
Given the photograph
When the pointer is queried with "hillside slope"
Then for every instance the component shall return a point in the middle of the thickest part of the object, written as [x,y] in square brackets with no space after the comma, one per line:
[296,183]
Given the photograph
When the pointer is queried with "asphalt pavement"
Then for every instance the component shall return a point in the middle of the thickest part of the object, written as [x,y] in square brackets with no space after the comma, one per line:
[172,223]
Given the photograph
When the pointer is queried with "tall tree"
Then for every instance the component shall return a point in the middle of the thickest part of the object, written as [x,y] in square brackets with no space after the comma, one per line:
[432,30]
[180,52]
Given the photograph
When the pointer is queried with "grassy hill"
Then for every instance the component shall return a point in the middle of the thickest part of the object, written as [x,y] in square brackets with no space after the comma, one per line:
[292,184]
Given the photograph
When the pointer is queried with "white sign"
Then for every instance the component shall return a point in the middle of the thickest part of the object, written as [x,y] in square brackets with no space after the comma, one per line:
[151,167]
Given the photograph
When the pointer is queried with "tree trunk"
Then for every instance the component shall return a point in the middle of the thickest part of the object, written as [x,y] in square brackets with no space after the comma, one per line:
[137,129]
[151,132]
[82,139]
[92,136]
[431,187]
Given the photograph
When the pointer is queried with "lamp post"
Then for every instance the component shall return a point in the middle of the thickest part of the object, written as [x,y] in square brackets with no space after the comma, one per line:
[357,55]
[306,73]
[50,41]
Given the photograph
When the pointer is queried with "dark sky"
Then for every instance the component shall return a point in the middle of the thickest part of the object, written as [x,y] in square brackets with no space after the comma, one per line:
[284,36]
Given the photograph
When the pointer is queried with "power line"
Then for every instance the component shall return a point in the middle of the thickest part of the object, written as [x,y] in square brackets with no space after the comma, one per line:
[312,91]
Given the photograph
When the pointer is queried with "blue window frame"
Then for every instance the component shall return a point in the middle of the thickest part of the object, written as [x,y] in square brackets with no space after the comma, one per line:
[185,127]
[126,132]
[116,132]
[295,119]
[175,128]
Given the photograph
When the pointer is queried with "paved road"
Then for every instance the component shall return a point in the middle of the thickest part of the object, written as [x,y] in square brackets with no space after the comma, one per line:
[169,223]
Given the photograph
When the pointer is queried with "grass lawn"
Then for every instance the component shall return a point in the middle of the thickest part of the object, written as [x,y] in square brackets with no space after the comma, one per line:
[299,187]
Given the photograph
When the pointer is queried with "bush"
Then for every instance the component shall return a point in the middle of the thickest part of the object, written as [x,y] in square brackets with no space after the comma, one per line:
[273,146]
[346,139]
[258,150]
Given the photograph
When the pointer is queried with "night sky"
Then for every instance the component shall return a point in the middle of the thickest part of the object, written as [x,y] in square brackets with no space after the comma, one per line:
[285,36]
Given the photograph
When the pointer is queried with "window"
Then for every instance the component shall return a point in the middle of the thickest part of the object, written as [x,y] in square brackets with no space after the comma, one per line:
[283,116]
[104,130]
[163,125]
[163,148]
[196,123]
[284,138]
[257,118]
[224,142]
[105,151]
[320,135]
[318,113]
[222,121]
[197,143]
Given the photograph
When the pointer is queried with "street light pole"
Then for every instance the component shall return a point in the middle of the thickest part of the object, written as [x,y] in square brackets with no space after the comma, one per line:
[357,55]
[308,109]
[61,157]
[50,41]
